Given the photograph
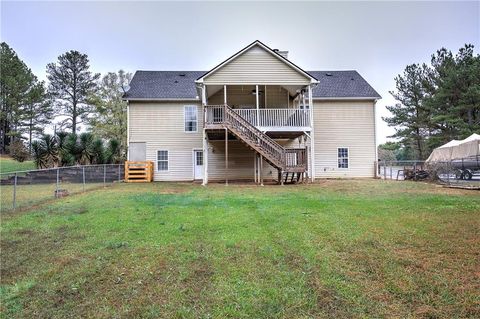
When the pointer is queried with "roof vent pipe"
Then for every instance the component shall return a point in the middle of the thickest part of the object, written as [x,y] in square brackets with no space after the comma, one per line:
[282,53]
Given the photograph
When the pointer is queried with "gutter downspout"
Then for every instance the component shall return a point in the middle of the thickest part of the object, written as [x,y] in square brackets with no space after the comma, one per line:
[375,166]
[128,130]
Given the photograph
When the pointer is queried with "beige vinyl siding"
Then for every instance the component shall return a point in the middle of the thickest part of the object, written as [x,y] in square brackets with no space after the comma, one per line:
[256,66]
[348,124]
[161,126]
[337,124]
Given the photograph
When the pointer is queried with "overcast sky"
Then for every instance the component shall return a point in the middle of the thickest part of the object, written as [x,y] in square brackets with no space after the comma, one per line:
[378,39]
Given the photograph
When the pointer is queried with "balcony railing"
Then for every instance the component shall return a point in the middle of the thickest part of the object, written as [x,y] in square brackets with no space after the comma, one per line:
[276,118]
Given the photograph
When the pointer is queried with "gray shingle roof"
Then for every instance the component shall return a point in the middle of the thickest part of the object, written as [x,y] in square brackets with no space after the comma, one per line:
[181,85]
[342,84]
[163,85]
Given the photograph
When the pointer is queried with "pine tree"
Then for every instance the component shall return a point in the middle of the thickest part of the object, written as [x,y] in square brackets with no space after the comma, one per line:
[455,102]
[16,80]
[410,117]
[37,113]
[71,83]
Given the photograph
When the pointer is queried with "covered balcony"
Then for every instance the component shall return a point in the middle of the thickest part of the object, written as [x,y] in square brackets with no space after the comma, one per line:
[279,111]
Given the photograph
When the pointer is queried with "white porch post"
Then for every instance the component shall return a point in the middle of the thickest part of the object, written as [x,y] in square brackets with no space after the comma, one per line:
[255,167]
[226,156]
[204,95]
[265,96]
[205,137]
[261,170]
[312,134]
[225,94]
[258,105]
[205,158]
[128,131]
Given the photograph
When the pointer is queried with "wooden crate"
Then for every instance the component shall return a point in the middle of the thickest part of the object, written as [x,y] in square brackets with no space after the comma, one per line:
[138,172]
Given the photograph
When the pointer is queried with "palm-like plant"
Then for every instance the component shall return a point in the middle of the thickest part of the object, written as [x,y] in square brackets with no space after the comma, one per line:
[86,148]
[69,149]
[98,152]
[38,155]
[113,152]
[50,150]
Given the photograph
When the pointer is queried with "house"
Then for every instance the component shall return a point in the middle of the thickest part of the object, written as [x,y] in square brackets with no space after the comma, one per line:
[254,116]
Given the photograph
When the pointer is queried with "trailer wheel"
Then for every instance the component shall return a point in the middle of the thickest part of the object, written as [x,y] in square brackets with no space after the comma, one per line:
[459,174]
[467,175]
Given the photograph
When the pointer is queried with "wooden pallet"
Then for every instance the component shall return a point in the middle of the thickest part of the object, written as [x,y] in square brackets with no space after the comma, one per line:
[138,172]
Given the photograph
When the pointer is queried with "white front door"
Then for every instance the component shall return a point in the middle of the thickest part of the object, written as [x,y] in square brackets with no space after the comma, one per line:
[198,164]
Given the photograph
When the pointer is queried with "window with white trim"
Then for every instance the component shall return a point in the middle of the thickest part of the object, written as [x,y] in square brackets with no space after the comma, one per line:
[162,160]
[191,118]
[342,154]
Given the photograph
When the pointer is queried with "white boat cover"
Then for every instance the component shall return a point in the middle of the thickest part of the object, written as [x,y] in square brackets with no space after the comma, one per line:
[456,149]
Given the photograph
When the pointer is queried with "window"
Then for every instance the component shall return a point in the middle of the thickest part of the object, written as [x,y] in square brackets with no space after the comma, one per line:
[162,160]
[190,116]
[342,157]
[199,158]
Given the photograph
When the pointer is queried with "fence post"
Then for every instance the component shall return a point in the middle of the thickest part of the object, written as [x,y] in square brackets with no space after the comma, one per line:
[119,172]
[391,172]
[83,178]
[104,175]
[448,172]
[385,170]
[56,186]
[15,192]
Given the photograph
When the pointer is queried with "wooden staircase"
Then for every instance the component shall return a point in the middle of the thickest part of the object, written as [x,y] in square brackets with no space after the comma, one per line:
[286,160]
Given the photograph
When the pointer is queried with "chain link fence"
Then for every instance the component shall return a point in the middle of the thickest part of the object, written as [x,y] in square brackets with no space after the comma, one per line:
[27,188]
[460,173]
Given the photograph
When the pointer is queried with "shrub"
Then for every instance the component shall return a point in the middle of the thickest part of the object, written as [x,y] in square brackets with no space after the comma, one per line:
[18,151]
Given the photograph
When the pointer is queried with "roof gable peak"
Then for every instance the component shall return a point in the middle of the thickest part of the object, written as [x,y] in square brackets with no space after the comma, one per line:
[258,43]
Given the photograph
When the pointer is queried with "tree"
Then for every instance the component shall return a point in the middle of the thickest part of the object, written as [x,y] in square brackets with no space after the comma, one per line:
[37,112]
[71,83]
[437,102]
[386,152]
[410,117]
[110,120]
[16,80]
[18,151]
[455,99]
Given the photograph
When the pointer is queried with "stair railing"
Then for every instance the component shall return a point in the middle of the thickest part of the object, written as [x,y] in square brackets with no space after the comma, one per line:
[282,157]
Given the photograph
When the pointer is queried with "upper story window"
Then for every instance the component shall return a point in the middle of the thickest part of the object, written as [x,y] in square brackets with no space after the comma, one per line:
[190,115]
[342,157]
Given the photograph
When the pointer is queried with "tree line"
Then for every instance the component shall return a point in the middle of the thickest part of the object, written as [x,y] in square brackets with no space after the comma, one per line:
[73,96]
[437,102]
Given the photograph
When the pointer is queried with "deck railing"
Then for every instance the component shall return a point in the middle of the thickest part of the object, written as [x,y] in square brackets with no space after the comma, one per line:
[296,158]
[276,118]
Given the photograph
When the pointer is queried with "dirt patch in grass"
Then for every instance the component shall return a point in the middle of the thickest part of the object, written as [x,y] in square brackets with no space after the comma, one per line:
[27,250]
[25,253]
[121,283]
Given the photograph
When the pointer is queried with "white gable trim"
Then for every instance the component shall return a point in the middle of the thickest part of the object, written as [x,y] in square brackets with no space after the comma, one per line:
[266,48]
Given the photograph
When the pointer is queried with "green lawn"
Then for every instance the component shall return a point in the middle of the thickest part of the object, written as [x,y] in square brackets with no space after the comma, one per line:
[8,164]
[336,249]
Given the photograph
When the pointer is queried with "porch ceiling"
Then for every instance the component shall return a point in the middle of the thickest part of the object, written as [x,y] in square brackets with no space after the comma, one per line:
[213,89]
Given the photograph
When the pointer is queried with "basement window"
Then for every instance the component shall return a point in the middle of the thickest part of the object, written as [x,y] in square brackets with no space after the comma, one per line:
[191,118]
[342,154]
[162,160]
